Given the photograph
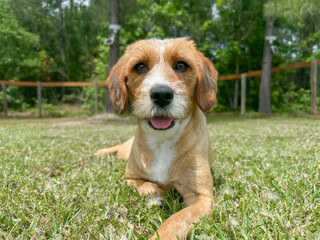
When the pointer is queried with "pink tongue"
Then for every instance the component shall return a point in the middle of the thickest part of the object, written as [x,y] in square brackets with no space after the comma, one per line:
[161,122]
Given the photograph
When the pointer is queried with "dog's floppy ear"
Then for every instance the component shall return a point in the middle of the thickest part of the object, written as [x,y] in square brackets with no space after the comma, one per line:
[117,86]
[206,86]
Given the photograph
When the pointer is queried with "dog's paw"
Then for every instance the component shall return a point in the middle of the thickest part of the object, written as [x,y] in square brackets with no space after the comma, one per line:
[102,152]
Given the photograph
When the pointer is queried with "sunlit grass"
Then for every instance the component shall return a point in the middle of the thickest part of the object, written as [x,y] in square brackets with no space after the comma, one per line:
[266,181]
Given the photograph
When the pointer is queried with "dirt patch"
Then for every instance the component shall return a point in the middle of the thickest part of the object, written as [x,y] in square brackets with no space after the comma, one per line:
[100,119]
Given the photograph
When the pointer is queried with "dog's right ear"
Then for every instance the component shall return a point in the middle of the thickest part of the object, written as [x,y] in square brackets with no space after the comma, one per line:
[117,86]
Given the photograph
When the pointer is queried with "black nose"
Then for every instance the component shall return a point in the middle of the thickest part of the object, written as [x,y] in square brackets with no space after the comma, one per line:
[161,95]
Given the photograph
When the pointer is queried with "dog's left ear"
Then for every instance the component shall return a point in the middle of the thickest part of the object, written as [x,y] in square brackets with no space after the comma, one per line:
[206,87]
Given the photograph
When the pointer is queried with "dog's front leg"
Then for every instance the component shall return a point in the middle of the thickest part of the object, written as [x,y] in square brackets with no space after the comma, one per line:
[145,187]
[179,224]
[123,150]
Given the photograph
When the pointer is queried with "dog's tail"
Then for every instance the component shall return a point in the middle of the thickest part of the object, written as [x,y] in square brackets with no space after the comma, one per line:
[123,150]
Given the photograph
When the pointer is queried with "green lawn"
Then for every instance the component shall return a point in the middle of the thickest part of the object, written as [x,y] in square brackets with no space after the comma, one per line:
[266,181]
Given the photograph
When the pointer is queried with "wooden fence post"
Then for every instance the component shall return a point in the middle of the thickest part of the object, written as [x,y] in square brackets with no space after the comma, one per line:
[313,86]
[236,94]
[95,96]
[39,98]
[243,93]
[4,99]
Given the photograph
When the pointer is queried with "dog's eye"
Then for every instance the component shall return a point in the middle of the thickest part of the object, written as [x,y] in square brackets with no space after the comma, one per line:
[141,68]
[181,67]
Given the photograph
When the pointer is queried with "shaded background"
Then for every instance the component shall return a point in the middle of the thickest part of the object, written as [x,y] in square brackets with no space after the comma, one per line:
[63,40]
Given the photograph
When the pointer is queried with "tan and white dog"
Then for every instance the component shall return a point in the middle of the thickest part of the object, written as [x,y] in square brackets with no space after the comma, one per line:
[171,85]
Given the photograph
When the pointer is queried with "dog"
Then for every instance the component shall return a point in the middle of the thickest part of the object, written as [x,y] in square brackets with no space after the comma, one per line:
[171,85]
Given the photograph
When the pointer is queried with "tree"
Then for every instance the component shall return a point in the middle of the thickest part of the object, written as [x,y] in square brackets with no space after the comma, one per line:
[234,41]
[299,27]
[63,71]
[19,57]
[67,36]
[114,48]
[65,25]
[265,82]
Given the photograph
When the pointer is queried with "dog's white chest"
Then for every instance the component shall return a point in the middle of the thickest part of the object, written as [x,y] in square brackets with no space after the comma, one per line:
[164,154]
[163,146]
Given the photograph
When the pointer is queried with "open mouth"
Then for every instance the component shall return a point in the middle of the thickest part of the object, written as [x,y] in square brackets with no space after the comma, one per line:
[161,123]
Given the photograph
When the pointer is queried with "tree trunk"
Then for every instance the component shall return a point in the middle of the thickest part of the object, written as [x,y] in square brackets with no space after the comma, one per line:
[61,48]
[236,86]
[265,82]
[236,83]
[114,49]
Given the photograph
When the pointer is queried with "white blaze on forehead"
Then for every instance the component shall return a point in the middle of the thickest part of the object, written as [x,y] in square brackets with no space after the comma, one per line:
[161,45]
[154,79]
[159,78]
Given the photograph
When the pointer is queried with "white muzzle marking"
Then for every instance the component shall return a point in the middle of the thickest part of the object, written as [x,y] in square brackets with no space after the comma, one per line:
[145,108]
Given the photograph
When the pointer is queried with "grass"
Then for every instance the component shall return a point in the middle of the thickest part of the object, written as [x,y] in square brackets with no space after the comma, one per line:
[53,111]
[266,181]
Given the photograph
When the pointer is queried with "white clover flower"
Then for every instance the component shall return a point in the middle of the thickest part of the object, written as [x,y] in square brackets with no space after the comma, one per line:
[154,201]
[227,191]
[233,221]
[272,196]
[265,213]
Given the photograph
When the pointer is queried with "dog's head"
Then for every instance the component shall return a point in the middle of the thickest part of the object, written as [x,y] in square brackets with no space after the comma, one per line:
[164,79]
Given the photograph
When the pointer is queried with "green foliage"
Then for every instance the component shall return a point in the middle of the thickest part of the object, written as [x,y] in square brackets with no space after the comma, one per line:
[58,111]
[290,92]
[234,35]
[297,101]
[292,10]
[19,58]
[101,61]
[89,102]
[293,101]
[77,38]
[154,19]
[228,55]
[100,74]
[299,26]
[50,40]
[15,99]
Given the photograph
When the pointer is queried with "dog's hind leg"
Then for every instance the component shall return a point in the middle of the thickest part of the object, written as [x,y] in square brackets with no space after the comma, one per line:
[123,150]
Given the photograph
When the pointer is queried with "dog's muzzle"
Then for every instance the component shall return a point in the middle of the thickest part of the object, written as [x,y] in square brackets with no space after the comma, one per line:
[161,96]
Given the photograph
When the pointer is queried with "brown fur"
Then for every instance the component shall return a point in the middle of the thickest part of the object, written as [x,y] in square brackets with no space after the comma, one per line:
[189,173]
